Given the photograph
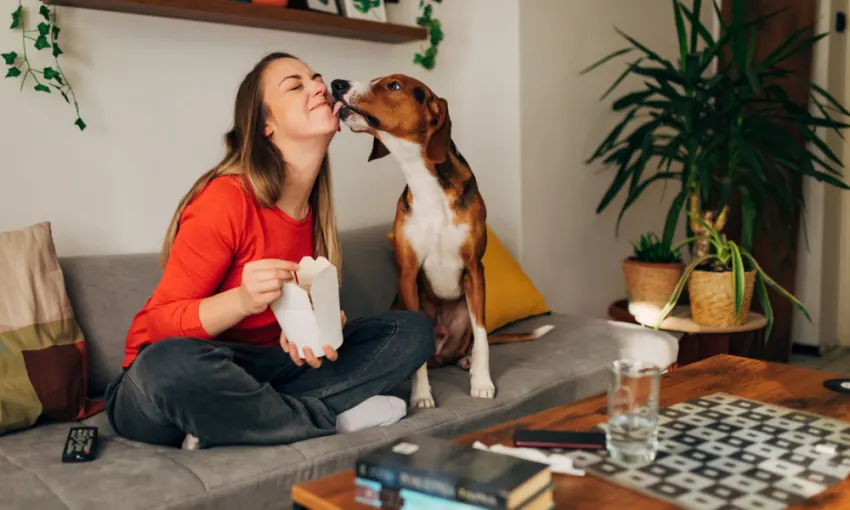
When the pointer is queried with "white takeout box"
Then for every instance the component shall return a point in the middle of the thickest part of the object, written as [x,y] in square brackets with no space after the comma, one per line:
[309,324]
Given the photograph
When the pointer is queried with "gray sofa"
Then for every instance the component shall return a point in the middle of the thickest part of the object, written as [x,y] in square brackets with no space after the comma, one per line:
[106,291]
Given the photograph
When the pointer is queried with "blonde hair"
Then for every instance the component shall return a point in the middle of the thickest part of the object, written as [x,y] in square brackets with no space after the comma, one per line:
[251,154]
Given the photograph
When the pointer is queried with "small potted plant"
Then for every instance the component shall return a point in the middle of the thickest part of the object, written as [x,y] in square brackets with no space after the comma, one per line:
[722,282]
[650,275]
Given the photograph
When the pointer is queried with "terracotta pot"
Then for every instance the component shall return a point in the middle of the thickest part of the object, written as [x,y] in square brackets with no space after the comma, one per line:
[712,297]
[274,3]
[649,286]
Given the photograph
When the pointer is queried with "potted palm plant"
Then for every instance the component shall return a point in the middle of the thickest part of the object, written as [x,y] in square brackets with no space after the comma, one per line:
[721,284]
[720,124]
[651,274]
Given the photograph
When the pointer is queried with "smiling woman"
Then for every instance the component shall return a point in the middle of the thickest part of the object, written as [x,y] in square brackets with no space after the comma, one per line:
[205,358]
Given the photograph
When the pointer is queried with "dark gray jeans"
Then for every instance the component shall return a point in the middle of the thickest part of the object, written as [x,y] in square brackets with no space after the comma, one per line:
[226,394]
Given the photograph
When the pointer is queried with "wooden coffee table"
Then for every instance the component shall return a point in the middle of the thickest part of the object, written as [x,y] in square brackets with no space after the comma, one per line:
[779,384]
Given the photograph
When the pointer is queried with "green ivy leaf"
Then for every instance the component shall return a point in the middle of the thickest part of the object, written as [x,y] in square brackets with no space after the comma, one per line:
[45,12]
[56,50]
[43,28]
[9,58]
[80,124]
[49,73]
[55,32]
[16,17]
[42,88]
[13,72]
[41,43]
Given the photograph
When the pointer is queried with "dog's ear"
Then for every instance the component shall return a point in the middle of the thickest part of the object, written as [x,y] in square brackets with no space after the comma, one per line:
[437,141]
[379,150]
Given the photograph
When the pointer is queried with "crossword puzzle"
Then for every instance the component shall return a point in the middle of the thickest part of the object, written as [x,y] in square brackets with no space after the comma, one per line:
[723,452]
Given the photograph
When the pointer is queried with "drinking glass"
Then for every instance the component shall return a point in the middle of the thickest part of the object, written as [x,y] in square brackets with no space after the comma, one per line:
[632,432]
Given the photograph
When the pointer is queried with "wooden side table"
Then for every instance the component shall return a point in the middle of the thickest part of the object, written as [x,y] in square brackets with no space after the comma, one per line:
[699,342]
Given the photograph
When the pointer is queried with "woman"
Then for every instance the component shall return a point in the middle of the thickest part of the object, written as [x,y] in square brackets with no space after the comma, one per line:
[205,357]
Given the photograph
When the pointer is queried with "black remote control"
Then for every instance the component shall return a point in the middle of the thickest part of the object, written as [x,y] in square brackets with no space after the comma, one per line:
[81,445]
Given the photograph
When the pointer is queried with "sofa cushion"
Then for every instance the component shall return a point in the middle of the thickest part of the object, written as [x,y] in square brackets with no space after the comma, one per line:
[568,364]
[43,360]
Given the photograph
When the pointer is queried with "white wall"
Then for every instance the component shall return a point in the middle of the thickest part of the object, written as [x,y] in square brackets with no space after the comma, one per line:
[157,95]
[568,250]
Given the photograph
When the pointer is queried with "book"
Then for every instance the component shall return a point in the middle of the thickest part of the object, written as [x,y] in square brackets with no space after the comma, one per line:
[372,493]
[452,471]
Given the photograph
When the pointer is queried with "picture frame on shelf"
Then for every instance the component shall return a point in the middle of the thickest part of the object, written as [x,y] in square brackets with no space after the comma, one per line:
[369,10]
[327,6]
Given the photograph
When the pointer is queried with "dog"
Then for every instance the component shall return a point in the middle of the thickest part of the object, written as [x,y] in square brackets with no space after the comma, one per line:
[440,223]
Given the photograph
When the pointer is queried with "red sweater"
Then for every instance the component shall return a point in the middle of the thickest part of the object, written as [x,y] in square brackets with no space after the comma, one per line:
[221,230]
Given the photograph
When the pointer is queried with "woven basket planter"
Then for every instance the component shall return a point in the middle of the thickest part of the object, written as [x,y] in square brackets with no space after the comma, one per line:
[649,286]
[712,298]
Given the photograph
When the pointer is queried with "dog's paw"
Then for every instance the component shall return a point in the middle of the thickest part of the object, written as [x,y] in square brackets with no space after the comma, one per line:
[482,387]
[425,401]
[465,362]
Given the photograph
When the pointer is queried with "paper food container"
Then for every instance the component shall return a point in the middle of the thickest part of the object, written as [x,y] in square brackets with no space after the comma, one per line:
[308,309]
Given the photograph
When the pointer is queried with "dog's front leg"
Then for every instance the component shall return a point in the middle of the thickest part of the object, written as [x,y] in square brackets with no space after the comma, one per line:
[481,384]
[408,291]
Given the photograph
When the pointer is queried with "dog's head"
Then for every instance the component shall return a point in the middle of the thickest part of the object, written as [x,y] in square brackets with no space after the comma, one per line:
[398,106]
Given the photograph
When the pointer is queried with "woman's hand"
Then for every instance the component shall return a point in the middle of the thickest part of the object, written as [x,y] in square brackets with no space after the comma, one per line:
[311,358]
[262,283]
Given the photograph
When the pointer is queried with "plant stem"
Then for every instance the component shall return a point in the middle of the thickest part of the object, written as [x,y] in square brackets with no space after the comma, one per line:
[59,67]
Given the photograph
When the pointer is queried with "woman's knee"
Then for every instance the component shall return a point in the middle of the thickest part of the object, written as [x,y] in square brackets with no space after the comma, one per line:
[415,331]
[167,366]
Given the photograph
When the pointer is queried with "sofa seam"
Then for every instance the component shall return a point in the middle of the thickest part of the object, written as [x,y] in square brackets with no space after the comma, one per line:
[315,460]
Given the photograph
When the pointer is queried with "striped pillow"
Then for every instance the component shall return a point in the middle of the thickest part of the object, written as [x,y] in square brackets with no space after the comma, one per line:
[43,362]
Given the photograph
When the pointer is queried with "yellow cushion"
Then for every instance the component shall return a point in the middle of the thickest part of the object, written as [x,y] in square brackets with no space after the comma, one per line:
[509,294]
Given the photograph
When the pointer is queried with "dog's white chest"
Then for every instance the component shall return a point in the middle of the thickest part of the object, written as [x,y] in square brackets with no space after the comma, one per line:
[432,233]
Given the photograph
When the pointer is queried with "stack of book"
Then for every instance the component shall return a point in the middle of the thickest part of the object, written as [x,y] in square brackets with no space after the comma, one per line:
[436,474]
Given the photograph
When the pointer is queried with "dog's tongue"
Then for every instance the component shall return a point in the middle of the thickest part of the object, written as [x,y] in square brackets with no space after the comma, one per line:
[337,108]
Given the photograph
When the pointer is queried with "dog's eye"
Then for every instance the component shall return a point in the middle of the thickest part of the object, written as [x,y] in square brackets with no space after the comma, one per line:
[393,85]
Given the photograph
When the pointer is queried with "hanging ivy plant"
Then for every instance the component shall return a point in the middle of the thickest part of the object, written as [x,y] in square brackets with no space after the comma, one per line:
[45,36]
[435,34]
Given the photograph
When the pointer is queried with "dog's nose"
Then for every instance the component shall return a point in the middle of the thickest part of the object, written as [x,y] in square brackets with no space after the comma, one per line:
[340,87]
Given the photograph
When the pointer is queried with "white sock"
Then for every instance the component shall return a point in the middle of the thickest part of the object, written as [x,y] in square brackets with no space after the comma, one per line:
[190,442]
[372,412]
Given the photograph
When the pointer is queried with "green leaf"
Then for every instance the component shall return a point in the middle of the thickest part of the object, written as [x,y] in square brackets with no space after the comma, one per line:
[9,58]
[778,287]
[605,59]
[764,299]
[680,286]
[43,28]
[80,124]
[13,72]
[622,77]
[826,95]
[681,33]
[42,88]
[56,31]
[16,17]
[56,50]
[49,73]
[41,43]
[65,96]
[737,276]
[45,12]
[673,216]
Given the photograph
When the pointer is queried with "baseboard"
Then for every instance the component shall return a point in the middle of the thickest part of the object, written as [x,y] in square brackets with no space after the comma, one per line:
[806,350]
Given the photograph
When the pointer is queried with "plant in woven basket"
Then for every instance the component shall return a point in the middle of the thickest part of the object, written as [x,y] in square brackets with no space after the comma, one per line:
[720,123]
[650,275]
[721,284]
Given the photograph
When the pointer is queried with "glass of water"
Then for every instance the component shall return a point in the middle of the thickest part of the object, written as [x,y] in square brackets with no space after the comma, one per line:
[632,432]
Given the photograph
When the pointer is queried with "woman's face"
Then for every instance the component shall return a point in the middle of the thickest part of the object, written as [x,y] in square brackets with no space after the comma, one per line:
[298,101]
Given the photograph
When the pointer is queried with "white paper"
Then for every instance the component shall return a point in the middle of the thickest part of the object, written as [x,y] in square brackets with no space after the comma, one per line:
[311,325]
[557,462]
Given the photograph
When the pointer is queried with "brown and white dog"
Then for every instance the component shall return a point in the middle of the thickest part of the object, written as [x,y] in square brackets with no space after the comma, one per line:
[440,223]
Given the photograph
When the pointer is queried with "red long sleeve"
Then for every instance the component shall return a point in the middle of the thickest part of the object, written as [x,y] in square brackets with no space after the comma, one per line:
[220,230]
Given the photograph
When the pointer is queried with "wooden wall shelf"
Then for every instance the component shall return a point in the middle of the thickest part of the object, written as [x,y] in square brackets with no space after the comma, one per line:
[232,12]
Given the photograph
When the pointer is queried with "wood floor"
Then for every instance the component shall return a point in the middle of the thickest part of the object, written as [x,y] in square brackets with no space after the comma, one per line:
[837,361]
